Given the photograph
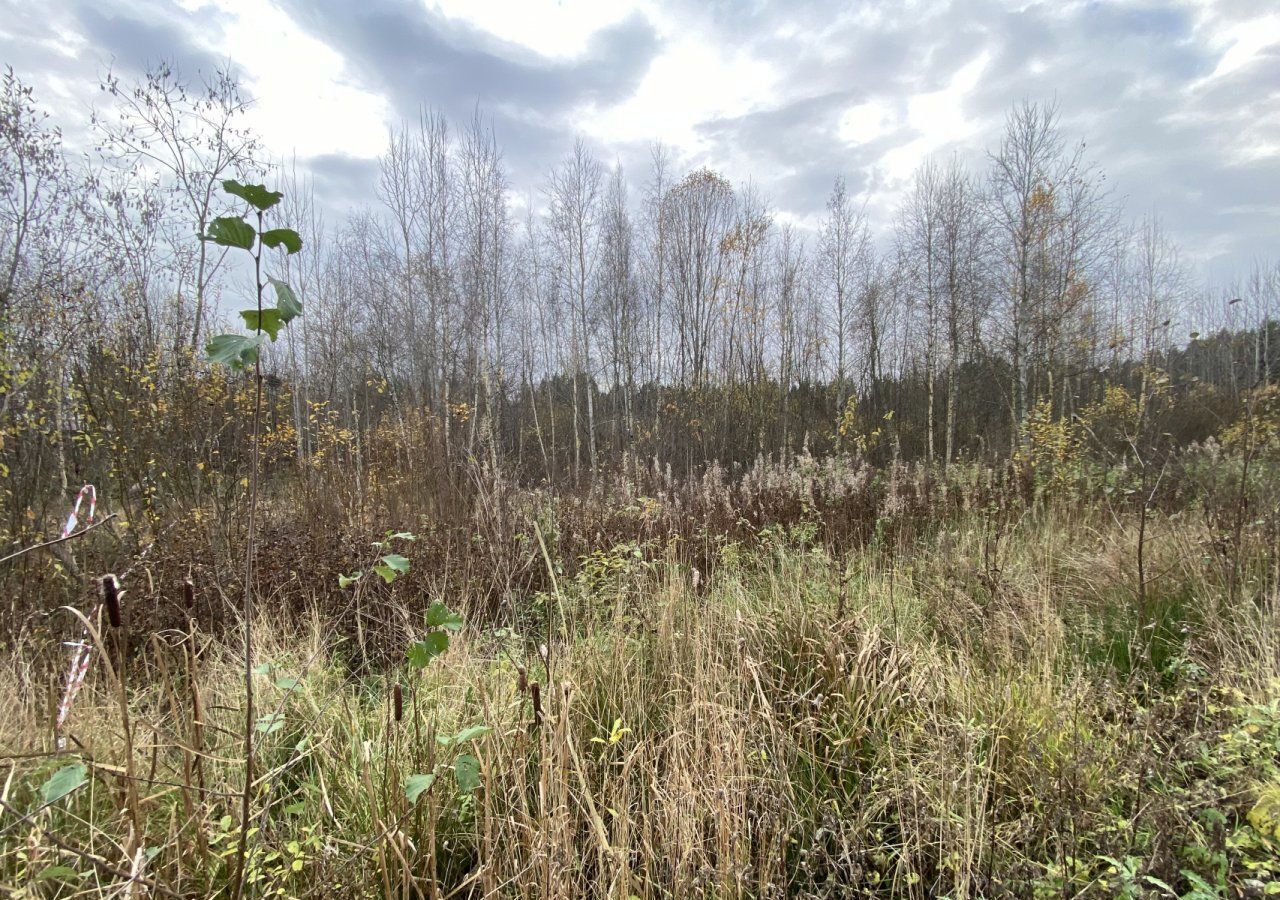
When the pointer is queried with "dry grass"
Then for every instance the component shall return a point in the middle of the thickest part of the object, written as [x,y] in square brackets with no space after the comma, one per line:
[942,718]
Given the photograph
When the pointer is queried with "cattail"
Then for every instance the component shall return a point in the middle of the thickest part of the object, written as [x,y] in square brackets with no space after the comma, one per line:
[111,599]
[189,595]
[523,682]
[535,692]
[397,702]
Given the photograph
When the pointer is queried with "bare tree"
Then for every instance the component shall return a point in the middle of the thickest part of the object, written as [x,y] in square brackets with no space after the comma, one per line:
[574,197]
[655,271]
[843,250]
[1048,219]
[962,242]
[788,291]
[698,214]
[194,138]
[1021,175]
[618,293]
[486,225]
[920,260]
[1160,289]
[34,184]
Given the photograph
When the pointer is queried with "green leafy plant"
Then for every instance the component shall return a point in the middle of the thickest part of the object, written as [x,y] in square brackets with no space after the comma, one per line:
[616,734]
[440,620]
[240,351]
[63,782]
[389,565]
[1127,880]
[465,767]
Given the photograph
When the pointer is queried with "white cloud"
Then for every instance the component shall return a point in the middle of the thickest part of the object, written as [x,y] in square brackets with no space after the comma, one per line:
[938,119]
[305,101]
[692,81]
[1244,41]
[866,122]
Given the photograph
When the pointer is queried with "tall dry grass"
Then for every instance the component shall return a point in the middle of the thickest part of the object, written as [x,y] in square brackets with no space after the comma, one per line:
[980,711]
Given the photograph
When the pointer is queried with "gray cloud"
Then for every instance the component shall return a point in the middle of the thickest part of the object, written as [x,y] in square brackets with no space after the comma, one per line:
[40,41]
[1128,79]
[342,181]
[418,57]
[139,37]
[1131,78]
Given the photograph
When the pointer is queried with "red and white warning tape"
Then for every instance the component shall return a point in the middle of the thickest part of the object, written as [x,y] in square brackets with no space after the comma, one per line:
[74,519]
[81,650]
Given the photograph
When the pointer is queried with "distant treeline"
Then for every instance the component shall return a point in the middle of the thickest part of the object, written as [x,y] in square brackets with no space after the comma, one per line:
[673,317]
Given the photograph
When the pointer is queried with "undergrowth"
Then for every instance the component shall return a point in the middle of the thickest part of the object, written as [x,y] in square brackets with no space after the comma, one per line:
[922,718]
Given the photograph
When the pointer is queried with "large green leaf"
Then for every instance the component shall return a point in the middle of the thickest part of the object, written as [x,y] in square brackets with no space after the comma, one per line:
[64,781]
[234,350]
[282,237]
[268,320]
[286,301]
[231,231]
[422,652]
[270,723]
[393,566]
[466,771]
[256,194]
[470,734]
[61,873]
[416,785]
[397,562]
[440,616]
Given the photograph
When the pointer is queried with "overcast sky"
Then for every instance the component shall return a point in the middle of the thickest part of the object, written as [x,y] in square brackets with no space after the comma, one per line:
[1179,102]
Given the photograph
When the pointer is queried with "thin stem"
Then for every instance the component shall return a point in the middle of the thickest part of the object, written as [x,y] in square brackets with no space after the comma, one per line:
[98,862]
[67,537]
[246,795]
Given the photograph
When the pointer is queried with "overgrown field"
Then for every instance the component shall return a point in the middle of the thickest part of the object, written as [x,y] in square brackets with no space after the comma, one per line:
[620,539]
[896,684]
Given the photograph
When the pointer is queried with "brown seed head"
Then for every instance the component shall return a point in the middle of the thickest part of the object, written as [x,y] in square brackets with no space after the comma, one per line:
[111,599]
